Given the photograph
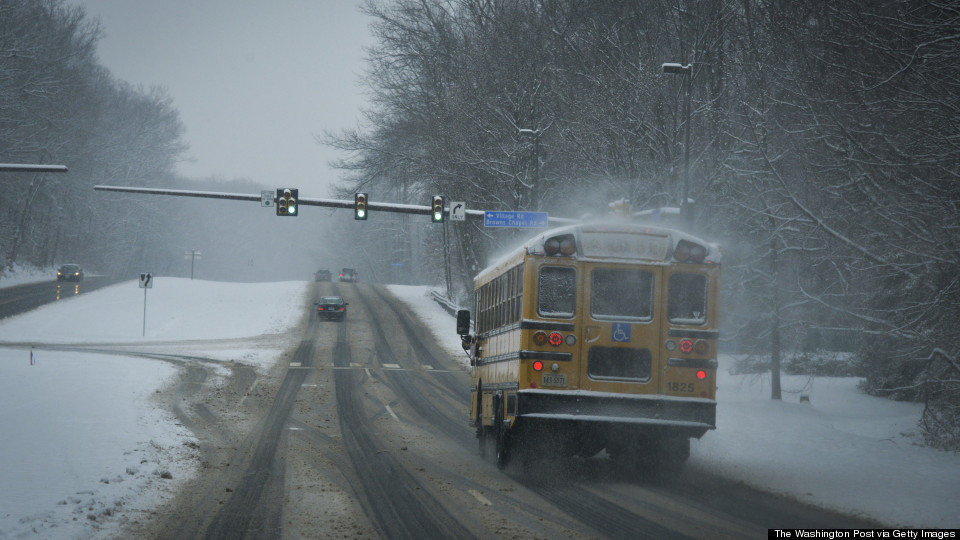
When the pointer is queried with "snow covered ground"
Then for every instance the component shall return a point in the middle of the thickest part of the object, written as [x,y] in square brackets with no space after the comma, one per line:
[843,450]
[81,438]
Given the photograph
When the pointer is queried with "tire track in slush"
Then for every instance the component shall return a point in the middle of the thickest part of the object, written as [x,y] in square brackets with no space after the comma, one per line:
[404,383]
[446,381]
[242,513]
[600,514]
[393,499]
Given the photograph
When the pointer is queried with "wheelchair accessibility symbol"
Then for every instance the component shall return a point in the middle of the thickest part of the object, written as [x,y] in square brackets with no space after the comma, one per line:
[620,332]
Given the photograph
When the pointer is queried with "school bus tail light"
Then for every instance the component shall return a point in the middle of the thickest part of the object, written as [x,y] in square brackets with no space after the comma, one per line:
[556,339]
[686,346]
[701,374]
[537,365]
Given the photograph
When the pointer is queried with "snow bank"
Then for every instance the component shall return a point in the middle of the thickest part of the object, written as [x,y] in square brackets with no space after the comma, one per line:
[843,450]
[443,325]
[82,441]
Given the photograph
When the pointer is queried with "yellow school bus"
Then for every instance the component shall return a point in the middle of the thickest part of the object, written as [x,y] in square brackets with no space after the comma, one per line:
[596,336]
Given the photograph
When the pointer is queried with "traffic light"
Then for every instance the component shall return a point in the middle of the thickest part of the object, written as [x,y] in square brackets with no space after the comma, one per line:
[437,215]
[287,201]
[359,206]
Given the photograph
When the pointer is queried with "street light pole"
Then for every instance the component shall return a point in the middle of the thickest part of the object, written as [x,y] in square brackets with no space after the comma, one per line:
[687,72]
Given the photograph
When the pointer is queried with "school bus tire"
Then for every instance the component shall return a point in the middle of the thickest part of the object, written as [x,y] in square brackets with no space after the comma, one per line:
[502,437]
[481,429]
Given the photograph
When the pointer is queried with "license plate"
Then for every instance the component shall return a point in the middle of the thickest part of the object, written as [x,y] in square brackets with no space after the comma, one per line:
[554,379]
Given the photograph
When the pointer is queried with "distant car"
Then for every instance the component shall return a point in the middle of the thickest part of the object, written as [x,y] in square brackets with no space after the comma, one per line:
[70,272]
[349,274]
[332,307]
[322,275]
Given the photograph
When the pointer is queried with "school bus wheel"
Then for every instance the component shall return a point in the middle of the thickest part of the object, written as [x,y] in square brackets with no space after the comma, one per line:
[503,440]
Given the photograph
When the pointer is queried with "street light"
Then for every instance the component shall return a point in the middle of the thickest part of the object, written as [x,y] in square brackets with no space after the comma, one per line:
[686,71]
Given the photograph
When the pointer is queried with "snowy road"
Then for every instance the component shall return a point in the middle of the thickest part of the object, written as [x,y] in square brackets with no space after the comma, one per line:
[365,433]
[20,298]
[276,424]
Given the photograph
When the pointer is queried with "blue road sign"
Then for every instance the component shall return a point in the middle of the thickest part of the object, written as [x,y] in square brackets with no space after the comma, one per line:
[620,332]
[514,219]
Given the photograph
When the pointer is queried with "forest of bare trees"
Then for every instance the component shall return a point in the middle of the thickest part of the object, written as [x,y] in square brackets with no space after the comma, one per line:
[58,105]
[824,151]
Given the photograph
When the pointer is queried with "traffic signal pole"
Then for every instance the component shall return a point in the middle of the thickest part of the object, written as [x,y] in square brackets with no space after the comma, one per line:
[446,259]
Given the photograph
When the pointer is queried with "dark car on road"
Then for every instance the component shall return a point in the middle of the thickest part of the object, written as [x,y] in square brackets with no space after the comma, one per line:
[332,307]
[349,274]
[322,275]
[70,272]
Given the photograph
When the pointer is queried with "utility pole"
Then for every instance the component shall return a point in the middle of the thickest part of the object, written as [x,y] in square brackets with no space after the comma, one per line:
[446,259]
[193,255]
[775,346]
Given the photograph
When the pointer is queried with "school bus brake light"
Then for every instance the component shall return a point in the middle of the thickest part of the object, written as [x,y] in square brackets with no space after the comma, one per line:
[538,365]
[556,339]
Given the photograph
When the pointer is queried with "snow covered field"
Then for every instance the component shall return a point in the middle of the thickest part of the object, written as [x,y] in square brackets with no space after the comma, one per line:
[83,440]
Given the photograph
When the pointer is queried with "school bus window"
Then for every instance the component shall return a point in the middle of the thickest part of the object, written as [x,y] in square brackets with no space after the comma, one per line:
[519,292]
[484,312]
[557,290]
[619,293]
[687,299]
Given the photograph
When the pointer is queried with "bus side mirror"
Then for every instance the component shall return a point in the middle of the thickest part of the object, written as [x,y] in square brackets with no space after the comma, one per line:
[463,322]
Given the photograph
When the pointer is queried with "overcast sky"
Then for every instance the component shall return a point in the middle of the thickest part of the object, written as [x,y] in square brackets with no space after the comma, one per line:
[254,80]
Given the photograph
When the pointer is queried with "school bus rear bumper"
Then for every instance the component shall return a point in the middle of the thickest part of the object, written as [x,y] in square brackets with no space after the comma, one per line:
[689,416]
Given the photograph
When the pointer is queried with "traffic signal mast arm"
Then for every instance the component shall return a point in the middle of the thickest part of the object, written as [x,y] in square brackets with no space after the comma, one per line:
[30,167]
[305,201]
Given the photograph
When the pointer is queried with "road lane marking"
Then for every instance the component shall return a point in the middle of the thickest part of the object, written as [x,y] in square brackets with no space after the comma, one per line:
[393,414]
[479,496]
[294,364]
[390,367]
[427,367]
[249,391]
